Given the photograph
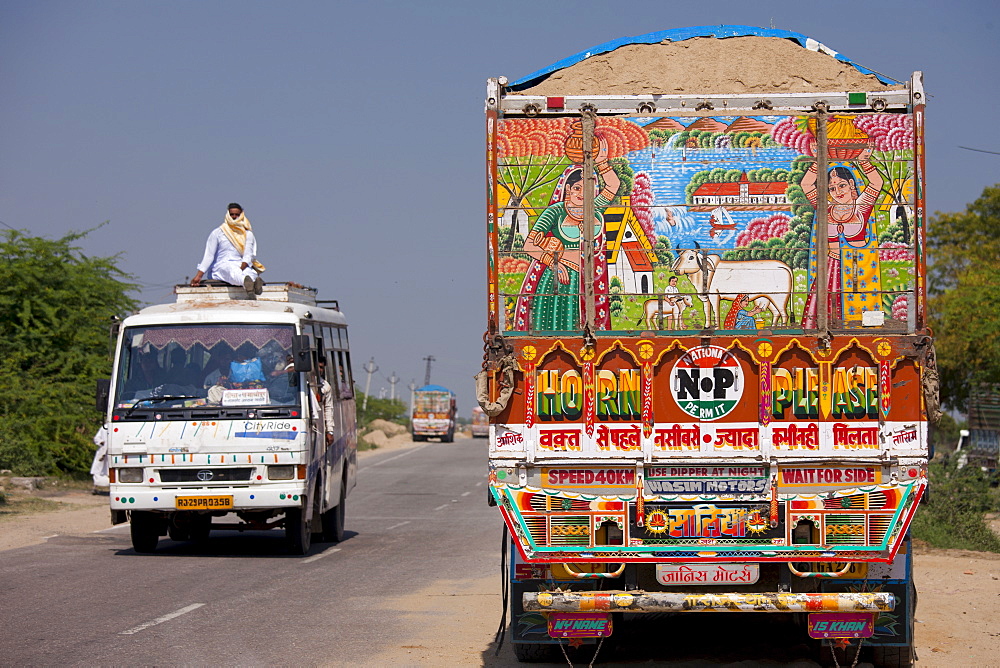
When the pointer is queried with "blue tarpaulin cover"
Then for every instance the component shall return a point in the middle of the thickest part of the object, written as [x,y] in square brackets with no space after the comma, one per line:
[681,34]
[433,388]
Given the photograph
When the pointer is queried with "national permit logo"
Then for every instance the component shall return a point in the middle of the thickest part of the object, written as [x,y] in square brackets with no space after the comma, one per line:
[707,382]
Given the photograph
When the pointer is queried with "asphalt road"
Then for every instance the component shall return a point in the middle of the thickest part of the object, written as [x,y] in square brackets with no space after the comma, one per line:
[418,517]
[415,583]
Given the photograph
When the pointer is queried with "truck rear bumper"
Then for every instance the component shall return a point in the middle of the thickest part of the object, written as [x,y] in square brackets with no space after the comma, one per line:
[643,601]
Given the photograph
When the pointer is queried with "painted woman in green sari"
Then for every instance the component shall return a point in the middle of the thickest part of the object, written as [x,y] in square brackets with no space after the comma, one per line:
[551,296]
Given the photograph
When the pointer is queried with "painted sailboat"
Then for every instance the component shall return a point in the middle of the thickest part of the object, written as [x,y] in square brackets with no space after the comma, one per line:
[720,220]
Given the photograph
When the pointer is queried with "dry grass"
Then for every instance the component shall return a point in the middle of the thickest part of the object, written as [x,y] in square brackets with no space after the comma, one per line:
[16,501]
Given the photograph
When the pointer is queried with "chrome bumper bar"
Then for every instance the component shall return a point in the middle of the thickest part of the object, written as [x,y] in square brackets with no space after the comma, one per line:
[643,601]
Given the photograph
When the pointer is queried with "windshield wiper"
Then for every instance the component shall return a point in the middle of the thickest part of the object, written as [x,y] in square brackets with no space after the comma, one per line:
[157,399]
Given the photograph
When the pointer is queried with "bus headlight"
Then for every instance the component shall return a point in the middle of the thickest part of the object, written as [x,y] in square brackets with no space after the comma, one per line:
[132,474]
[284,472]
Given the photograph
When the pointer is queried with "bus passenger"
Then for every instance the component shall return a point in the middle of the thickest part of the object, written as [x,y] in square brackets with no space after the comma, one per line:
[230,254]
[326,398]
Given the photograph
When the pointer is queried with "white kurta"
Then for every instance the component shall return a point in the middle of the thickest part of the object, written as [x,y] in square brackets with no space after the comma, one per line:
[99,469]
[222,260]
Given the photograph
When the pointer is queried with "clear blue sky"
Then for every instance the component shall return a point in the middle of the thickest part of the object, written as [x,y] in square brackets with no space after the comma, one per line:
[352,132]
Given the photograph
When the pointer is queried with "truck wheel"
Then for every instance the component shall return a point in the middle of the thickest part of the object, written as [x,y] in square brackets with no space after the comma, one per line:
[333,519]
[534,652]
[145,529]
[893,657]
[298,531]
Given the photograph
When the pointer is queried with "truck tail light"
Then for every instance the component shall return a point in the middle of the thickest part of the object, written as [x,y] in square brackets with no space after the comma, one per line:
[302,472]
[112,474]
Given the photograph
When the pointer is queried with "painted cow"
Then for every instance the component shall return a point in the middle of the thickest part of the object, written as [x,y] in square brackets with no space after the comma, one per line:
[770,279]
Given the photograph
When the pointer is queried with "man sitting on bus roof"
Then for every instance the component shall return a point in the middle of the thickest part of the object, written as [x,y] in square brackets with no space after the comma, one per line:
[230,254]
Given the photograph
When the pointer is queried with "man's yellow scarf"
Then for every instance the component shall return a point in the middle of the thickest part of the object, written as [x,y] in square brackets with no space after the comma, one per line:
[236,231]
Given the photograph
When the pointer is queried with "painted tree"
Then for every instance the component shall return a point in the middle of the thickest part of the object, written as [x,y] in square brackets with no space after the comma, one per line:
[641,202]
[532,154]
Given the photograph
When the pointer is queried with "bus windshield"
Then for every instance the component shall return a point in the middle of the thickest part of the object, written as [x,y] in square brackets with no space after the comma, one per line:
[206,365]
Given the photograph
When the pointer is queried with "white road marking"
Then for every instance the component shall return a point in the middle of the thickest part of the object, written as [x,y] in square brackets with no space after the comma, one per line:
[52,536]
[443,505]
[117,526]
[320,555]
[478,484]
[402,454]
[160,620]
[396,526]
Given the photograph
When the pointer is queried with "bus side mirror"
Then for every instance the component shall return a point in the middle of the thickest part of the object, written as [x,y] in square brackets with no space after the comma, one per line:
[301,352]
[103,394]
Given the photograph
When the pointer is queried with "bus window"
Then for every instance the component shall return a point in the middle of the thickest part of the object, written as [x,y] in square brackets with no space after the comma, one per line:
[344,373]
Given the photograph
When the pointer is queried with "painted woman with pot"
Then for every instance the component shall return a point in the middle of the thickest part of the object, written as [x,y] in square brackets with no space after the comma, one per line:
[551,295]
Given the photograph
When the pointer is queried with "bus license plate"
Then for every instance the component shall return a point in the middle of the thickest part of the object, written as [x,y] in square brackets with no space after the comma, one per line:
[203,502]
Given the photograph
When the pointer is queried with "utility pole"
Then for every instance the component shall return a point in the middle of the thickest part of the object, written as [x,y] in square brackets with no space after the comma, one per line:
[427,376]
[412,386]
[371,368]
[393,379]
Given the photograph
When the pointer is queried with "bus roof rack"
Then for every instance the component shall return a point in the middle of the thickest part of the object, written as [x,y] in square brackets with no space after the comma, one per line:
[220,291]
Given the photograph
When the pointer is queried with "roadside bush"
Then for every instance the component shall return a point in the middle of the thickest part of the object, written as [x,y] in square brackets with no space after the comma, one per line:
[55,305]
[390,410]
[954,517]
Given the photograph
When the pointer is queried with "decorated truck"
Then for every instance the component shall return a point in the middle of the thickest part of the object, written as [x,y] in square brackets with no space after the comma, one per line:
[707,367]
[433,413]
[480,424]
[217,412]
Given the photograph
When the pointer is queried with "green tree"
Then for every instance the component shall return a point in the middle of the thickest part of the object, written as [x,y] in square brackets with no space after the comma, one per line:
[390,410]
[963,252]
[55,308]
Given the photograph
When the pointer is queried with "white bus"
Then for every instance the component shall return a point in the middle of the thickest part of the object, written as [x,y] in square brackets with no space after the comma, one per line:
[215,409]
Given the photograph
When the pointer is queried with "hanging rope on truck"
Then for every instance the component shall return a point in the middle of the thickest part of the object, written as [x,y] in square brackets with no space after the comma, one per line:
[931,382]
[498,355]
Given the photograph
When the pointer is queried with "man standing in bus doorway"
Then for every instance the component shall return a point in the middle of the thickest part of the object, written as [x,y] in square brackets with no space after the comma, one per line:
[230,254]
[324,396]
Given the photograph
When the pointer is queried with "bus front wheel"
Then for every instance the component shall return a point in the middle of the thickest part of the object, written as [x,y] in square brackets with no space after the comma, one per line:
[298,531]
[145,530]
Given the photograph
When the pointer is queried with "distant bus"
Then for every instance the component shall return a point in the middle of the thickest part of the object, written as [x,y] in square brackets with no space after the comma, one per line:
[480,423]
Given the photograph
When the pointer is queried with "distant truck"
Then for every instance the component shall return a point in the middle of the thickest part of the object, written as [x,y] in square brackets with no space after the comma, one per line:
[212,412]
[433,413]
[708,368]
[480,423]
